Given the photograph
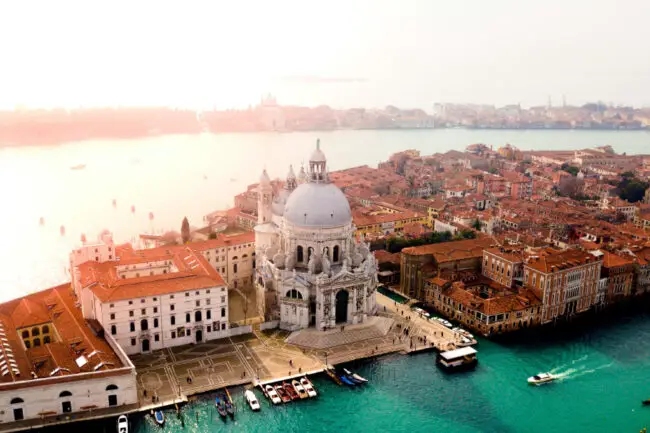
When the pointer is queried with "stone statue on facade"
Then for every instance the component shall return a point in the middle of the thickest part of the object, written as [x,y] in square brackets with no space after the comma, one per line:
[311,265]
[326,265]
[357,259]
[279,260]
[290,262]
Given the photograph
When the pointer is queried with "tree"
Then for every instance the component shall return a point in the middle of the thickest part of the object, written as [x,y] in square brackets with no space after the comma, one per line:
[477,224]
[185,230]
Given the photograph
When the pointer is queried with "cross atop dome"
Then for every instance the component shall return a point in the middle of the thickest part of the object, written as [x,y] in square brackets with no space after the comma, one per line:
[318,165]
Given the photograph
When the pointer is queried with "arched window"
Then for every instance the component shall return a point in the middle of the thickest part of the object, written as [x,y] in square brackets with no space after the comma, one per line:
[132,326]
[113,329]
[155,322]
[234,267]
[335,255]
[187,317]
[144,324]
[37,342]
[46,339]
[294,294]
[197,316]
[244,256]
[235,257]
[300,254]
[17,400]
[25,334]
[27,344]
[45,329]
[111,387]
[65,394]
[35,332]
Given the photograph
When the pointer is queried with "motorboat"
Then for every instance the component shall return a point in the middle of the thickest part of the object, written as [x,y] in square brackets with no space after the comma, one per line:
[299,389]
[230,405]
[251,399]
[282,393]
[307,385]
[646,402]
[355,376]
[159,416]
[291,391]
[221,406]
[541,378]
[458,359]
[272,394]
[122,424]
[333,376]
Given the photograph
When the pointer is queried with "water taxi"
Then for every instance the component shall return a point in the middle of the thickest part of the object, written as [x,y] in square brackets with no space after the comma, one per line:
[251,399]
[457,359]
[122,424]
[541,378]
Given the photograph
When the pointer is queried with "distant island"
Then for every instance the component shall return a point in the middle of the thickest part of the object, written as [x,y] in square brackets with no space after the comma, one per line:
[42,127]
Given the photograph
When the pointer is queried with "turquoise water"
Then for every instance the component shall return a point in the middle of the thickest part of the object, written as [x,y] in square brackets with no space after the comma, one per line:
[605,376]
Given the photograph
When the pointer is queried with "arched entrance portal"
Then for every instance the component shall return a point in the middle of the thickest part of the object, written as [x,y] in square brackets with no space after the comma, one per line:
[342,306]
[145,345]
[199,335]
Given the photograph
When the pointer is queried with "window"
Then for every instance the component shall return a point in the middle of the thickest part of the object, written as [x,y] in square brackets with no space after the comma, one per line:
[156,337]
[171,307]
[144,324]
[111,306]
[143,311]
[234,268]
[223,299]
[235,284]
[130,302]
[223,312]
[198,303]
[36,342]
[132,326]
[223,326]
[197,316]
[133,342]
[16,400]
[209,328]
[187,294]
[187,317]
[207,291]
[112,316]
[131,313]
[208,314]
[142,301]
[155,299]
[155,309]
[171,296]
[207,301]
[155,322]
[46,339]
[188,332]
[172,320]
[113,329]
[25,334]
[300,254]
[335,255]
[173,334]
[65,394]
[223,289]
[36,331]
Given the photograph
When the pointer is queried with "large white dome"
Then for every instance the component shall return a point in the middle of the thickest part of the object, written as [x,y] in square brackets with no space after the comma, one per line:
[318,205]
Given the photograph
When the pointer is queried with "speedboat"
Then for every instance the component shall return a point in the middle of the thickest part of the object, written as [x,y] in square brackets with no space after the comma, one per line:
[282,393]
[346,381]
[646,402]
[159,416]
[291,391]
[272,394]
[541,378]
[252,400]
[299,389]
[355,376]
[122,424]
[311,391]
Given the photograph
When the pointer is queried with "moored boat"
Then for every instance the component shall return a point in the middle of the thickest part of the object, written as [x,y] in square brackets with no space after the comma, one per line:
[311,391]
[291,391]
[646,402]
[282,393]
[333,376]
[221,406]
[272,394]
[299,389]
[159,416]
[355,376]
[230,405]
[458,359]
[251,399]
[347,381]
[122,424]
[541,378]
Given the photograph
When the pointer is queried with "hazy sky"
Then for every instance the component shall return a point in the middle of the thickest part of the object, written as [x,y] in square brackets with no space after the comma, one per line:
[410,53]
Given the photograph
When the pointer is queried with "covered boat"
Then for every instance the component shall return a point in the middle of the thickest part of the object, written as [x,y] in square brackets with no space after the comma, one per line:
[458,359]
[541,378]
[251,399]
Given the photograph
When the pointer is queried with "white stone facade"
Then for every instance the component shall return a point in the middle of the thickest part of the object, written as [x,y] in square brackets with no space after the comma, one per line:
[311,271]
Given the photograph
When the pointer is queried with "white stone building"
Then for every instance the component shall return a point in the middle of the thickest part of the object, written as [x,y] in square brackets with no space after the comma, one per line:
[310,269]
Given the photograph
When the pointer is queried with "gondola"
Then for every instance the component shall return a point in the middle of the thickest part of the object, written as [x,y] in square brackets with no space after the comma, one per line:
[282,393]
[221,407]
[291,391]
[159,416]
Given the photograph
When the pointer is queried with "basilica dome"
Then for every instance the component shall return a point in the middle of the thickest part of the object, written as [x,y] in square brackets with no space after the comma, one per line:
[317,205]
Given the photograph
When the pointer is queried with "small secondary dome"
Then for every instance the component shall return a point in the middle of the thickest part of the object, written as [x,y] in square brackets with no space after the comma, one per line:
[264,178]
[317,155]
[318,205]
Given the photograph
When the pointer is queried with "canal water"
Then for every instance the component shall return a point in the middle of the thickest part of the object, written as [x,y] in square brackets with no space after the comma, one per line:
[604,375]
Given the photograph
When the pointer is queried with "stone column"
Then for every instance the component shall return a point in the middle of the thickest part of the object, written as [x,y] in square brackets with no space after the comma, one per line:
[332,317]
[353,311]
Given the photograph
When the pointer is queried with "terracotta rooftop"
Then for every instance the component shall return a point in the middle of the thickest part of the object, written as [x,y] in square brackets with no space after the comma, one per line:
[74,347]
[190,271]
[551,260]
[611,260]
[453,250]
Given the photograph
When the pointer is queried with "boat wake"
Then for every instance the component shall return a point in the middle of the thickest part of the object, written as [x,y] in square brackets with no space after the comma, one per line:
[556,370]
[573,373]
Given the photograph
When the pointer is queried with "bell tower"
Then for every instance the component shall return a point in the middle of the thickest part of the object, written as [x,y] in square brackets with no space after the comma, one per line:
[264,199]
